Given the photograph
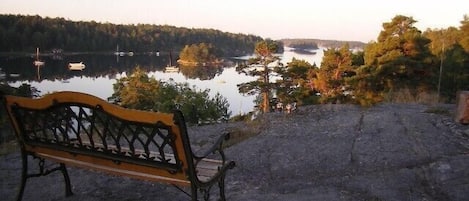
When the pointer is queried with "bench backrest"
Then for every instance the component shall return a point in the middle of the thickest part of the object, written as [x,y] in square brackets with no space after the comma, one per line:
[79,123]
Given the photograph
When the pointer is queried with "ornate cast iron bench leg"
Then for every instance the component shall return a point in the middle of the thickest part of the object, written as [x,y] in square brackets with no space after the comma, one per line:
[42,172]
[221,186]
[68,187]
[24,176]
[193,192]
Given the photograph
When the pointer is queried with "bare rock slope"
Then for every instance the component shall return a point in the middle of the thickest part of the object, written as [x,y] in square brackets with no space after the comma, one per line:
[326,152]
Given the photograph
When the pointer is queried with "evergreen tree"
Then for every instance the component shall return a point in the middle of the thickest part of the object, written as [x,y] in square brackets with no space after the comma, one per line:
[400,59]
[447,45]
[336,66]
[25,33]
[198,54]
[295,85]
[263,66]
[455,73]
[464,30]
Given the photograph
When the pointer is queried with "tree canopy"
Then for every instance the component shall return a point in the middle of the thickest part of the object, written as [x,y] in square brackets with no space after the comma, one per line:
[399,59]
[311,43]
[450,47]
[336,66]
[197,54]
[295,85]
[403,61]
[263,65]
[464,31]
[139,91]
[24,33]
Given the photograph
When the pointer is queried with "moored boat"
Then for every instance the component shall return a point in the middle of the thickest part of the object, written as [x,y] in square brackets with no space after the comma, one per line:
[171,69]
[38,62]
[76,66]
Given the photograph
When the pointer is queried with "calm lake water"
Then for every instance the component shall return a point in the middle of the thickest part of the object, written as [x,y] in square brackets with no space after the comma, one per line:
[102,71]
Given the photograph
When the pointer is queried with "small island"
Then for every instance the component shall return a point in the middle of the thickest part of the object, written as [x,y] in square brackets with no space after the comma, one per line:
[202,54]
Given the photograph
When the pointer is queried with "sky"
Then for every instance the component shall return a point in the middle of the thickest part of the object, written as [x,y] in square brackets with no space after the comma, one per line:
[353,20]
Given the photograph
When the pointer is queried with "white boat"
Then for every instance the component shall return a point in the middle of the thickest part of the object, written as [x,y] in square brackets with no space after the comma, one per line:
[2,74]
[76,66]
[117,51]
[38,62]
[171,69]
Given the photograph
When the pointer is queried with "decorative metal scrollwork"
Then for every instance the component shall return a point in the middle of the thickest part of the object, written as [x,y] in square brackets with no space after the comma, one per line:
[91,130]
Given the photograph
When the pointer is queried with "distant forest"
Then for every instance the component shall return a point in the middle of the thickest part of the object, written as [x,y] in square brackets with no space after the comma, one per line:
[20,33]
[314,43]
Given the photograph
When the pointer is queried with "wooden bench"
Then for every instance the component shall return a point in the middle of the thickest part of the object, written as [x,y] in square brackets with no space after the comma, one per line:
[81,130]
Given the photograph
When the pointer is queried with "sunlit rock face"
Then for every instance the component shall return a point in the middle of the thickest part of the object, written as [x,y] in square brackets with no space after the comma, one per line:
[462,109]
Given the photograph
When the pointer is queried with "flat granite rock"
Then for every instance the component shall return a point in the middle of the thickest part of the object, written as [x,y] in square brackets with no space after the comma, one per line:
[325,152]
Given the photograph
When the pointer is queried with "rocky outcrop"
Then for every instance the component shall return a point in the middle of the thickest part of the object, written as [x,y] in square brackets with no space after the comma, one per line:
[344,152]
[325,152]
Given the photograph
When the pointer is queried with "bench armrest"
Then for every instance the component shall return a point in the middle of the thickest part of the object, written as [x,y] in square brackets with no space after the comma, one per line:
[216,147]
[223,164]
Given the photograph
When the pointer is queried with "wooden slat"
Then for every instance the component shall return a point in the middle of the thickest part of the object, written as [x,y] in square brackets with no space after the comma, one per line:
[207,168]
[105,165]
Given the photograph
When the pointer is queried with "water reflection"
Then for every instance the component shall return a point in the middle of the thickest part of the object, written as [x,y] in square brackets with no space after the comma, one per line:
[102,70]
[97,65]
[201,72]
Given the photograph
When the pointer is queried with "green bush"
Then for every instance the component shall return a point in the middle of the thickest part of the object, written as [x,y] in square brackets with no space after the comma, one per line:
[138,91]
